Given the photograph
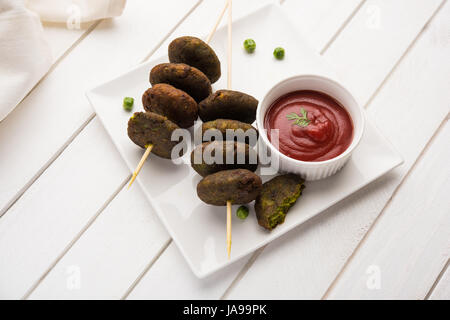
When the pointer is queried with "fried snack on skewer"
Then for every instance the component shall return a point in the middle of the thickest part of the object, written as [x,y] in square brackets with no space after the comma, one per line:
[228,104]
[238,186]
[196,53]
[183,77]
[222,125]
[150,129]
[172,103]
[243,157]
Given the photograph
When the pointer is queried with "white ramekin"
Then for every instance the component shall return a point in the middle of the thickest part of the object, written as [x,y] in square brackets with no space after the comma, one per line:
[312,170]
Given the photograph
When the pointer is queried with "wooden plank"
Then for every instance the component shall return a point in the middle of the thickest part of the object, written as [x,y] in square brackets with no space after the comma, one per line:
[127,235]
[33,234]
[54,284]
[46,121]
[304,263]
[380,31]
[320,21]
[442,289]
[410,243]
[191,25]
[60,38]
[171,278]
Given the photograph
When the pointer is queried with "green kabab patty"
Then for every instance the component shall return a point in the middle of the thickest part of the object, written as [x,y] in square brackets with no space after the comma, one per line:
[239,186]
[222,125]
[277,197]
[183,77]
[241,155]
[145,128]
[197,53]
[228,104]
[173,103]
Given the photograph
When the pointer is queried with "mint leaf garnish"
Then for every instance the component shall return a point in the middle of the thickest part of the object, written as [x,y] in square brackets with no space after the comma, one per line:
[301,121]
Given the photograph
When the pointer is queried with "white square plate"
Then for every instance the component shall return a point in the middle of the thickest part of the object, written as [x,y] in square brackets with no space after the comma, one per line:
[199,229]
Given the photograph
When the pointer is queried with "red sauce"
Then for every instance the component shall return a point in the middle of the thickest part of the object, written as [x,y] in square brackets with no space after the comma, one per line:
[327,133]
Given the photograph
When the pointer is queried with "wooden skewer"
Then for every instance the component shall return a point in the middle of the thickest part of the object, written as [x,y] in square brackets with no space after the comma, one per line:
[141,163]
[229,228]
[149,148]
[229,53]
[208,39]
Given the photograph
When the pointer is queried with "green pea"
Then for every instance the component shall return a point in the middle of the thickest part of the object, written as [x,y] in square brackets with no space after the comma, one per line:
[250,45]
[278,53]
[128,103]
[242,212]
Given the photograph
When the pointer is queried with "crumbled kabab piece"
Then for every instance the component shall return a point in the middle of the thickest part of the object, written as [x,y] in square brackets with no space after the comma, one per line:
[277,196]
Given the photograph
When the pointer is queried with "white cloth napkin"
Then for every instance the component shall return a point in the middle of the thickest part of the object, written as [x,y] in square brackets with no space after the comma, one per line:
[25,56]
[80,10]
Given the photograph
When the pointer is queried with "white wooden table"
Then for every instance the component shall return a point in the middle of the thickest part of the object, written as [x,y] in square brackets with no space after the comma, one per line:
[70,229]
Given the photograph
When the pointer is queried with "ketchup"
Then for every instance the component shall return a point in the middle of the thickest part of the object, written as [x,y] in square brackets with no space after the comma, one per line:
[312,126]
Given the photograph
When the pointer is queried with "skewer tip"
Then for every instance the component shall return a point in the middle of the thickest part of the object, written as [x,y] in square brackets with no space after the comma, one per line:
[141,163]
[132,180]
